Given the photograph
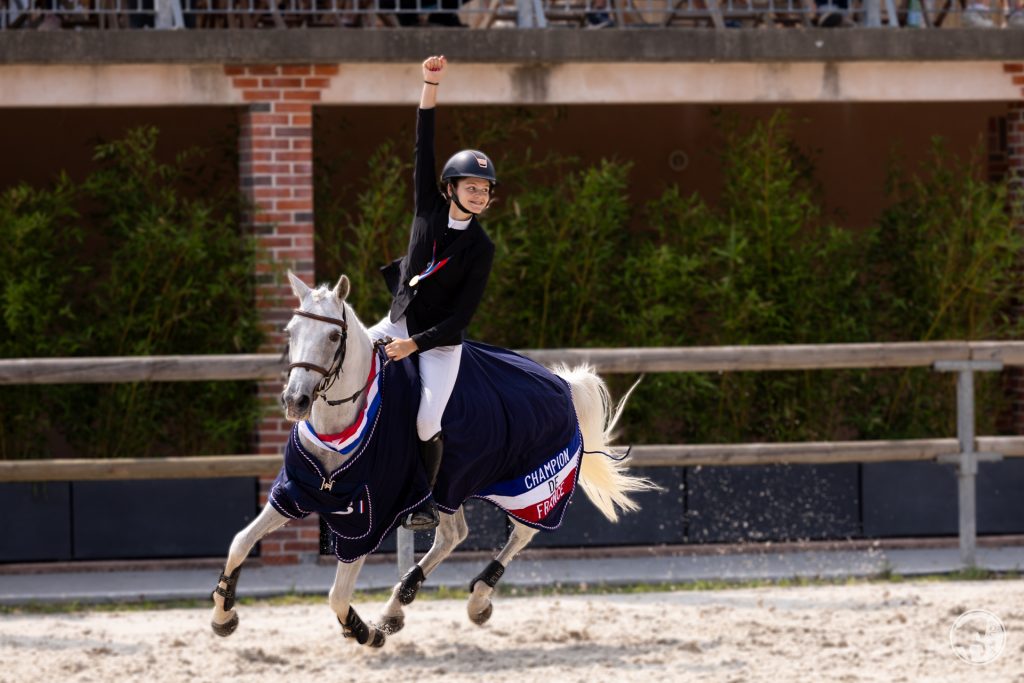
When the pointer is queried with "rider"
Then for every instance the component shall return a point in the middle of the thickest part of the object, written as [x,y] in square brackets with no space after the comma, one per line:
[439,283]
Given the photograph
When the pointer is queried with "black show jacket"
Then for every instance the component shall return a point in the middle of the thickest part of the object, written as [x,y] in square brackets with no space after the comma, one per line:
[439,308]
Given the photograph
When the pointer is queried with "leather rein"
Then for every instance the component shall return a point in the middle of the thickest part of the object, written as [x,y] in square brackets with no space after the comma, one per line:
[330,376]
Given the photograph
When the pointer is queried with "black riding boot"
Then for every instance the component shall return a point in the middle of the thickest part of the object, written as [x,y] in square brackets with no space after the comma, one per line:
[425,517]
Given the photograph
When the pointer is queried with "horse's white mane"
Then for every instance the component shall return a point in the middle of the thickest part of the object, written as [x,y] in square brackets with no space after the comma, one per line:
[321,293]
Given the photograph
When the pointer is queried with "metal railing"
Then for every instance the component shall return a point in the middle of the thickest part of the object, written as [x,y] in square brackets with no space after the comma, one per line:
[964,358]
[718,14]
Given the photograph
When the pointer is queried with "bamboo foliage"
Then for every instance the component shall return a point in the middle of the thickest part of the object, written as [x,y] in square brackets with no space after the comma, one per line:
[135,259]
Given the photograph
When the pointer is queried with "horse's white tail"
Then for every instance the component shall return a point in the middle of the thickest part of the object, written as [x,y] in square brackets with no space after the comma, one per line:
[604,480]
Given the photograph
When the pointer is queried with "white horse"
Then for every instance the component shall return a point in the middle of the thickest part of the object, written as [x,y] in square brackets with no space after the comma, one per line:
[331,355]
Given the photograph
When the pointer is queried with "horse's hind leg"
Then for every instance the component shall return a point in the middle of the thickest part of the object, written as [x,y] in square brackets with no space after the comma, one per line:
[451,531]
[225,619]
[482,586]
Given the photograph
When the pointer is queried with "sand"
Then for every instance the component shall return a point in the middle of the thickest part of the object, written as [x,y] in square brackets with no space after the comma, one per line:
[862,632]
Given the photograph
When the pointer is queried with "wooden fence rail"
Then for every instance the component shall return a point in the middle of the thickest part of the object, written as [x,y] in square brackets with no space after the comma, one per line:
[650,359]
[706,455]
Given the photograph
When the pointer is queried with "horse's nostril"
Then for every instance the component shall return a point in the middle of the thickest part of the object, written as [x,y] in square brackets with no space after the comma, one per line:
[302,402]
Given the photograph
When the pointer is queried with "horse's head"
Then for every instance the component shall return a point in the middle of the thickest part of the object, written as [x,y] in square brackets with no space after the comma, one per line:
[317,342]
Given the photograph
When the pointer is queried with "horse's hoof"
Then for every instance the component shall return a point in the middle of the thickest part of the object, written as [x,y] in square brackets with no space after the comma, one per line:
[378,638]
[227,628]
[392,625]
[480,618]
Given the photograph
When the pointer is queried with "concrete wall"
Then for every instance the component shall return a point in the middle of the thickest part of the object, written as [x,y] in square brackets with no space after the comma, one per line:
[519,46]
[155,85]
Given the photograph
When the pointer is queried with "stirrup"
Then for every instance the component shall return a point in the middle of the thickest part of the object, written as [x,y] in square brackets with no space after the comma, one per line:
[424,518]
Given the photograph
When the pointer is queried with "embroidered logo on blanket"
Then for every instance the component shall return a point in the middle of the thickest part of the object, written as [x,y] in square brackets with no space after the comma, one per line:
[355,519]
[535,496]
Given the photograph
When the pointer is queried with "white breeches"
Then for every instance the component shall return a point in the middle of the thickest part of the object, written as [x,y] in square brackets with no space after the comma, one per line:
[439,367]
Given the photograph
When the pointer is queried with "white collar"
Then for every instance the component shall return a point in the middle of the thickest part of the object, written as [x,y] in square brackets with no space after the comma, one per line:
[458,225]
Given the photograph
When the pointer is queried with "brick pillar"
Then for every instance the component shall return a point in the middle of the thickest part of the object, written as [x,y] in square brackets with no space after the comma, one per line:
[275,147]
[1015,177]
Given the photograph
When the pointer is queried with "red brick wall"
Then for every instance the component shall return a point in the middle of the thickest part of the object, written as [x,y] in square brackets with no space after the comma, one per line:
[275,147]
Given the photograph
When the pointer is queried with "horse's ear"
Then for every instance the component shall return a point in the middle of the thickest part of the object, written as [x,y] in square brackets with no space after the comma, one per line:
[343,287]
[299,287]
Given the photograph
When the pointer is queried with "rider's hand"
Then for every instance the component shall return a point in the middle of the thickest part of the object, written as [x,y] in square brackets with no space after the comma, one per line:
[434,68]
[400,348]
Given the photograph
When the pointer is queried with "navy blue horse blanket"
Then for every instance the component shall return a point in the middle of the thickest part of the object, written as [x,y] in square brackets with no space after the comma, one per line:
[511,437]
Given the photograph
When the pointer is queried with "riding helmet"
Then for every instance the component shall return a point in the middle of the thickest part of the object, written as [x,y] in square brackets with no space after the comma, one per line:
[469,163]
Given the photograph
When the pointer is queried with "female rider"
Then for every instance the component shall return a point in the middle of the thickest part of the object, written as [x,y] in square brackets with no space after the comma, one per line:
[439,283]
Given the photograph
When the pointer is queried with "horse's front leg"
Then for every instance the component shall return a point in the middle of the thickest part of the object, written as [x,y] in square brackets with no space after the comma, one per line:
[352,625]
[482,586]
[451,531]
[225,619]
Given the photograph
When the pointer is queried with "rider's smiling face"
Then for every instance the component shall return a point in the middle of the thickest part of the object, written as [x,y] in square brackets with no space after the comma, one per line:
[473,193]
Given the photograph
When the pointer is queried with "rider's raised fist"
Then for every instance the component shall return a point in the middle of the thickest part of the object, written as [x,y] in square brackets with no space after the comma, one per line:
[434,68]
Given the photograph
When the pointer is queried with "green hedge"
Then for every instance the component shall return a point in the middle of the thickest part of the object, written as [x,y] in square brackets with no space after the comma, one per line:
[136,259]
[581,264]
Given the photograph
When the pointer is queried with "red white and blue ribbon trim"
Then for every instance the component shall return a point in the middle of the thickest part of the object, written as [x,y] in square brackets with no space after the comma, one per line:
[348,440]
[533,497]
[431,268]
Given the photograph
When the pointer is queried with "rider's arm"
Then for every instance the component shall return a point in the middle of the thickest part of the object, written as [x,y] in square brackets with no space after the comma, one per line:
[427,195]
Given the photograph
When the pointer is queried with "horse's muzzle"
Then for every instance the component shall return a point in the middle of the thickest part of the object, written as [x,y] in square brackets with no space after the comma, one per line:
[296,406]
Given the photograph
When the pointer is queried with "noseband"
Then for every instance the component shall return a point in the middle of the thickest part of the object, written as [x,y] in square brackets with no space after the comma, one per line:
[330,376]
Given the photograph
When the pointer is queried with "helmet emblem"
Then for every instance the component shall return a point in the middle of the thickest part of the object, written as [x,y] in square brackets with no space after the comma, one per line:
[481,161]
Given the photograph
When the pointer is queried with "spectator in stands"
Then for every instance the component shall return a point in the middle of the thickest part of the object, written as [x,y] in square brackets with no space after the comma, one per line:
[447,16]
[832,13]
[978,14]
[1016,18]
[598,16]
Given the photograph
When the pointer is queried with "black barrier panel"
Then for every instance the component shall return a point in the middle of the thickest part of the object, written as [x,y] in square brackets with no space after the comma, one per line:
[920,499]
[772,503]
[1000,496]
[486,530]
[36,523]
[658,521]
[909,499]
[160,518]
[487,527]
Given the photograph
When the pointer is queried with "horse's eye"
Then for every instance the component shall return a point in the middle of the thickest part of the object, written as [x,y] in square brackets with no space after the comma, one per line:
[334,336]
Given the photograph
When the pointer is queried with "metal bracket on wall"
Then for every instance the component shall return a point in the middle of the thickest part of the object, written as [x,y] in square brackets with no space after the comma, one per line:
[968,458]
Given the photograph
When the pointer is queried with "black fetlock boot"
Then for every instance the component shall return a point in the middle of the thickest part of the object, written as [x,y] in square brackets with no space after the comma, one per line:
[425,517]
